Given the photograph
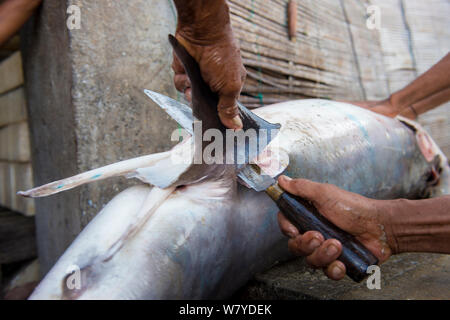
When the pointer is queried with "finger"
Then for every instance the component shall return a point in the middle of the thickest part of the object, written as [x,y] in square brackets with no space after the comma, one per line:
[243,74]
[188,94]
[177,66]
[181,82]
[335,270]
[301,187]
[385,110]
[304,245]
[310,241]
[294,247]
[329,251]
[287,228]
[228,112]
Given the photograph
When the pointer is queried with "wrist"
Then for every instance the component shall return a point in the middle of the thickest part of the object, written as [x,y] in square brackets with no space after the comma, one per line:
[386,210]
[417,225]
[402,103]
[395,103]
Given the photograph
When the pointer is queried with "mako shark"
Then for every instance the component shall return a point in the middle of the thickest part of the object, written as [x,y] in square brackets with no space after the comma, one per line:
[192,232]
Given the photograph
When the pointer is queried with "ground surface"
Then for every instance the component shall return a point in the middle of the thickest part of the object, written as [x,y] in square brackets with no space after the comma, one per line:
[406,276]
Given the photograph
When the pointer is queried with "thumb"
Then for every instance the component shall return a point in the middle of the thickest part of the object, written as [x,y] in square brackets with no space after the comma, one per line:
[303,188]
[229,112]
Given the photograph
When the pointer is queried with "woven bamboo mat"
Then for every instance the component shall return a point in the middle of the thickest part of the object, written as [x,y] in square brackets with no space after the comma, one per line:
[336,56]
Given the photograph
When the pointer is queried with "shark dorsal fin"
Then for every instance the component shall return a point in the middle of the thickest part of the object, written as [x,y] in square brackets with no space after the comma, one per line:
[204,101]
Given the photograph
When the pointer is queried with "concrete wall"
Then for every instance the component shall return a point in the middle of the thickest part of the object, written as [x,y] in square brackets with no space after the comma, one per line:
[85,100]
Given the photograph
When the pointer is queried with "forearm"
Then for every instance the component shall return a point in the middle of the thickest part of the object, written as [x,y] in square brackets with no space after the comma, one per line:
[13,14]
[426,104]
[203,20]
[427,91]
[418,225]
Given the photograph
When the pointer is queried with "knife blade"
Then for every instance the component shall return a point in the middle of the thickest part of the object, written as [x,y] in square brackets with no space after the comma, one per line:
[252,145]
[178,111]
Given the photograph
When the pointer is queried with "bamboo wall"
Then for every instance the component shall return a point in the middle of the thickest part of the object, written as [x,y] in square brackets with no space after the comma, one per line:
[15,157]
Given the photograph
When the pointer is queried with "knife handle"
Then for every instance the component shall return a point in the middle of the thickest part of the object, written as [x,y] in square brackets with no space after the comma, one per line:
[303,215]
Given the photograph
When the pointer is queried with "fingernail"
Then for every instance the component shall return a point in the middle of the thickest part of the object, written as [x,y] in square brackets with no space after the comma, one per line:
[291,232]
[336,272]
[331,250]
[237,122]
[313,244]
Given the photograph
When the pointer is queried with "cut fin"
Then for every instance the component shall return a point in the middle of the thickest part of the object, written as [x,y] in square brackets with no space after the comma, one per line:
[168,172]
[204,101]
[204,108]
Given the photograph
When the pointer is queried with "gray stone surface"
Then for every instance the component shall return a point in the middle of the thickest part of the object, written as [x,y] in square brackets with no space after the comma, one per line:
[405,276]
[86,106]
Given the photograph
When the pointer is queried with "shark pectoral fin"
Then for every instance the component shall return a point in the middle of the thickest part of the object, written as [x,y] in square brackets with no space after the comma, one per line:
[161,175]
[167,172]
[122,168]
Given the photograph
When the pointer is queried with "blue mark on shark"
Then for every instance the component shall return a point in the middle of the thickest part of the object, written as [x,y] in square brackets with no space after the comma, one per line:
[370,149]
[96,176]
[360,126]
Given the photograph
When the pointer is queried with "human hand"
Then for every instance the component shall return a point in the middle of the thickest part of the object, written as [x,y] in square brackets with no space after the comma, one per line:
[386,107]
[362,217]
[221,66]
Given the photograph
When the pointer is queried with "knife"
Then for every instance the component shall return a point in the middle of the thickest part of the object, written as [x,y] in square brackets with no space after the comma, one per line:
[300,212]
[305,217]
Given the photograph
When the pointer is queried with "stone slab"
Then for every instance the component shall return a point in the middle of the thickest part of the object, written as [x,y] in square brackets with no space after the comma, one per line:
[403,277]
